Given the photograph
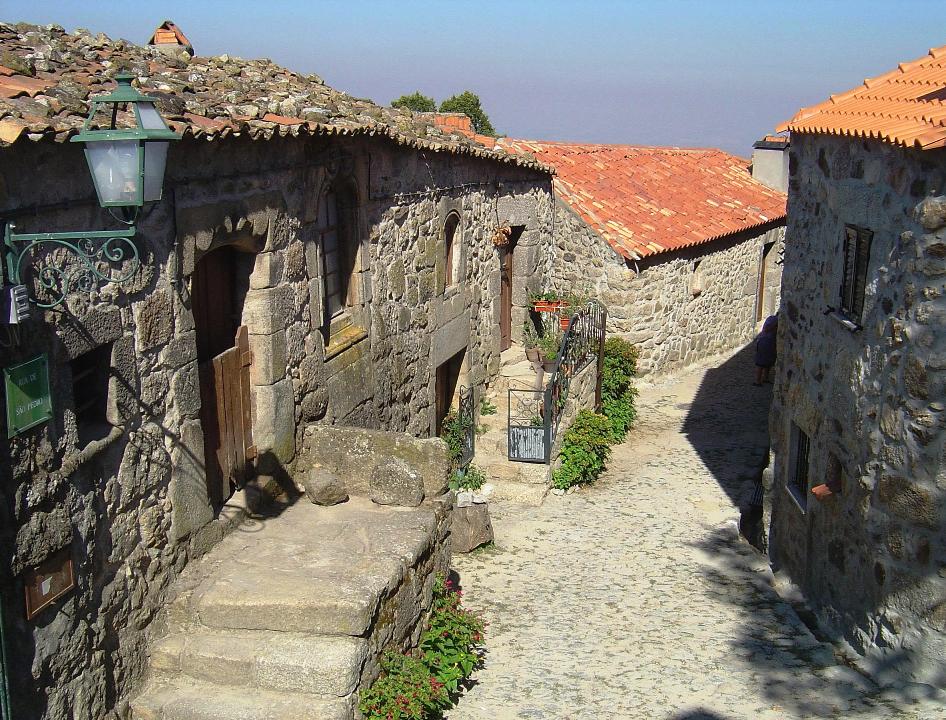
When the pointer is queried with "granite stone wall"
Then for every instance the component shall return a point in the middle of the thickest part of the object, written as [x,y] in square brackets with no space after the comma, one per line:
[131,507]
[678,307]
[871,557]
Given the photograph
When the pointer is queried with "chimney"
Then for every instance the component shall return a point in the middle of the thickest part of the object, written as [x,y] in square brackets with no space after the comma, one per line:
[770,161]
[169,39]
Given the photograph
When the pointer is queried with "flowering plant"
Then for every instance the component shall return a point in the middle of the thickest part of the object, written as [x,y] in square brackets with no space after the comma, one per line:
[420,685]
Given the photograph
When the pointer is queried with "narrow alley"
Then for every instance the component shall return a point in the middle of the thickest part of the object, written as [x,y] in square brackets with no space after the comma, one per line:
[636,598]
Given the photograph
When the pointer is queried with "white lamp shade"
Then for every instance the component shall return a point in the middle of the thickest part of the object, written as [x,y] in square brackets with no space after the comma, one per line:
[114,166]
[156,155]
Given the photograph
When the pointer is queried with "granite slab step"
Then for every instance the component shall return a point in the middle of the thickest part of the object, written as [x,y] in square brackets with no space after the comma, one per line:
[316,664]
[187,699]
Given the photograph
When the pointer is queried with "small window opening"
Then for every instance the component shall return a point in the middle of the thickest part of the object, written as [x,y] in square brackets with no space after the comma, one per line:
[450,241]
[90,373]
[798,477]
[857,242]
[696,279]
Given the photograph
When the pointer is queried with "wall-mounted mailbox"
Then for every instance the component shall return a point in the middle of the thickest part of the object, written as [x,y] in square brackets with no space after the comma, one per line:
[48,582]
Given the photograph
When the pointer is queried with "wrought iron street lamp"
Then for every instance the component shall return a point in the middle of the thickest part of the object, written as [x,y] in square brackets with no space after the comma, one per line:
[127,166]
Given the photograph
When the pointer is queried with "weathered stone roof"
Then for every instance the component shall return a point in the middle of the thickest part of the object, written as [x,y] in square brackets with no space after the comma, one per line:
[47,76]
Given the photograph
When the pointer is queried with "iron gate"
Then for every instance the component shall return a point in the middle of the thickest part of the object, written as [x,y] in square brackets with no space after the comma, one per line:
[466,411]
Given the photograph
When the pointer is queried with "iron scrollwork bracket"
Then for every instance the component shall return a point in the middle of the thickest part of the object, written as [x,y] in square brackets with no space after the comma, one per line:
[89,259]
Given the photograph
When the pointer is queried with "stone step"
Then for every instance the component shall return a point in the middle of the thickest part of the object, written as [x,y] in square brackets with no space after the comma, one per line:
[324,573]
[187,699]
[320,665]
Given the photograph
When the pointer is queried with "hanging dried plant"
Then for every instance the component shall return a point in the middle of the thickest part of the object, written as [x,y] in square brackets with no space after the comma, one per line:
[501,236]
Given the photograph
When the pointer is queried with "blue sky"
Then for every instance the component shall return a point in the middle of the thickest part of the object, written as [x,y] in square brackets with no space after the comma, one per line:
[663,72]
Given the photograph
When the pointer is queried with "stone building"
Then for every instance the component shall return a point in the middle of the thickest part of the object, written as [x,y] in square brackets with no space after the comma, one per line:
[856,492]
[330,259]
[682,245]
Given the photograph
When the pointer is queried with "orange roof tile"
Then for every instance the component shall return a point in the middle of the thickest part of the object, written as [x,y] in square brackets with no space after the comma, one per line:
[649,200]
[906,107]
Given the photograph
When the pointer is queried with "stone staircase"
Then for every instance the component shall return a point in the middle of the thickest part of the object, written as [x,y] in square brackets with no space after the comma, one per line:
[286,619]
[525,483]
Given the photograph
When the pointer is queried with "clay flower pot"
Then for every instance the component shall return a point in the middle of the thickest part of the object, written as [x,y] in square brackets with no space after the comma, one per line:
[533,354]
[547,305]
[563,321]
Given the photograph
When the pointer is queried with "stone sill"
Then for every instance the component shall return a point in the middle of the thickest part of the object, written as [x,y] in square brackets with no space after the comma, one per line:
[790,491]
[344,339]
[843,321]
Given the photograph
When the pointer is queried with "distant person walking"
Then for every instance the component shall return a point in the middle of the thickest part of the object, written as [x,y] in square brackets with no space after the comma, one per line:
[765,350]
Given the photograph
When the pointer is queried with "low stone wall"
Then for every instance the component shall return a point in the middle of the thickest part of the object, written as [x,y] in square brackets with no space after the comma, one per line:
[678,307]
[403,611]
[353,453]
[581,396]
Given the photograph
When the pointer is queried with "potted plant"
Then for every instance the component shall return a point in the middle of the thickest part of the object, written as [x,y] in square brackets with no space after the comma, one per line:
[546,302]
[572,303]
[530,338]
[549,345]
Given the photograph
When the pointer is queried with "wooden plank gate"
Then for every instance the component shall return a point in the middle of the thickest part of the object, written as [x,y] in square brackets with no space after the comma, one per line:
[231,402]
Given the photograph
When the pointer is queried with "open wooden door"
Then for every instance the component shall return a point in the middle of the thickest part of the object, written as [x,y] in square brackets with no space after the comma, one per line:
[224,359]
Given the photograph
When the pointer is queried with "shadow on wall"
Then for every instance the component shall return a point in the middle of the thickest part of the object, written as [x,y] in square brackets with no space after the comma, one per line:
[727,425]
[797,671]
[109,577]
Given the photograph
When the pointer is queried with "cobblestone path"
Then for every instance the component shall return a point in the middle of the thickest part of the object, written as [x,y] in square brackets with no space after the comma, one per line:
[636,598]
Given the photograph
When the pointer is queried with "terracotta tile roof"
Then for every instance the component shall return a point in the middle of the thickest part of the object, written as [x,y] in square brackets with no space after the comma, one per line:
[906,107]
[47,76]
[649,200]
[461,123]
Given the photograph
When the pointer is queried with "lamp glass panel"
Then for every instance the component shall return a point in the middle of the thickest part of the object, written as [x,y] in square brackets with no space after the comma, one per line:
[114,166]
[150,117]
[156,154]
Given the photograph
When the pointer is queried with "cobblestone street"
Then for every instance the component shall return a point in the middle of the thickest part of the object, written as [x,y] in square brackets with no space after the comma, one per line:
[636,598]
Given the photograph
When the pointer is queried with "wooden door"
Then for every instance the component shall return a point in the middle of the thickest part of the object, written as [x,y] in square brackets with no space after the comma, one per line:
[224,359]
[505,298]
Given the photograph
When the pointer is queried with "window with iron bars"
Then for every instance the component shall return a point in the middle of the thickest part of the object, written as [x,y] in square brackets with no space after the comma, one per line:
[856,259]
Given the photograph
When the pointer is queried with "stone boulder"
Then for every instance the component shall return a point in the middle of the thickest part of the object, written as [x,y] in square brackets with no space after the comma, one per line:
[396,482]
[323,487]
[470,527]
[354,453]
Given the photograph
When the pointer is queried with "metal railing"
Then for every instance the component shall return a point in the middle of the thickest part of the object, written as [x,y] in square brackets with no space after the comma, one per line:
[466,411]
[535,415]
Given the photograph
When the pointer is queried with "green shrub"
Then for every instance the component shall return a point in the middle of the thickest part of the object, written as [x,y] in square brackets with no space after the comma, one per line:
[471,479]
[453,432]
[617,388]
[486,407]
[586,446]
[423,684]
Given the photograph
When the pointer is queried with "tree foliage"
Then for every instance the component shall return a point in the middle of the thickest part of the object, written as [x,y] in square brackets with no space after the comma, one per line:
[468,103]
[416,101]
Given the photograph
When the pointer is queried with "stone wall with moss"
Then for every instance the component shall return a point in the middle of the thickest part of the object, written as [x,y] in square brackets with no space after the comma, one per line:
[131,507]
[868,392]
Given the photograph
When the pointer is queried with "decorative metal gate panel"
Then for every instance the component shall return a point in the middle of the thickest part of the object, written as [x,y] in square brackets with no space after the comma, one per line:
[528,439]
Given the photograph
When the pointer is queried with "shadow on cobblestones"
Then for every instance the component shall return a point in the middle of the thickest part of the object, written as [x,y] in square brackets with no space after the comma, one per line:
[800,673]
[727,425]
[698,714]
